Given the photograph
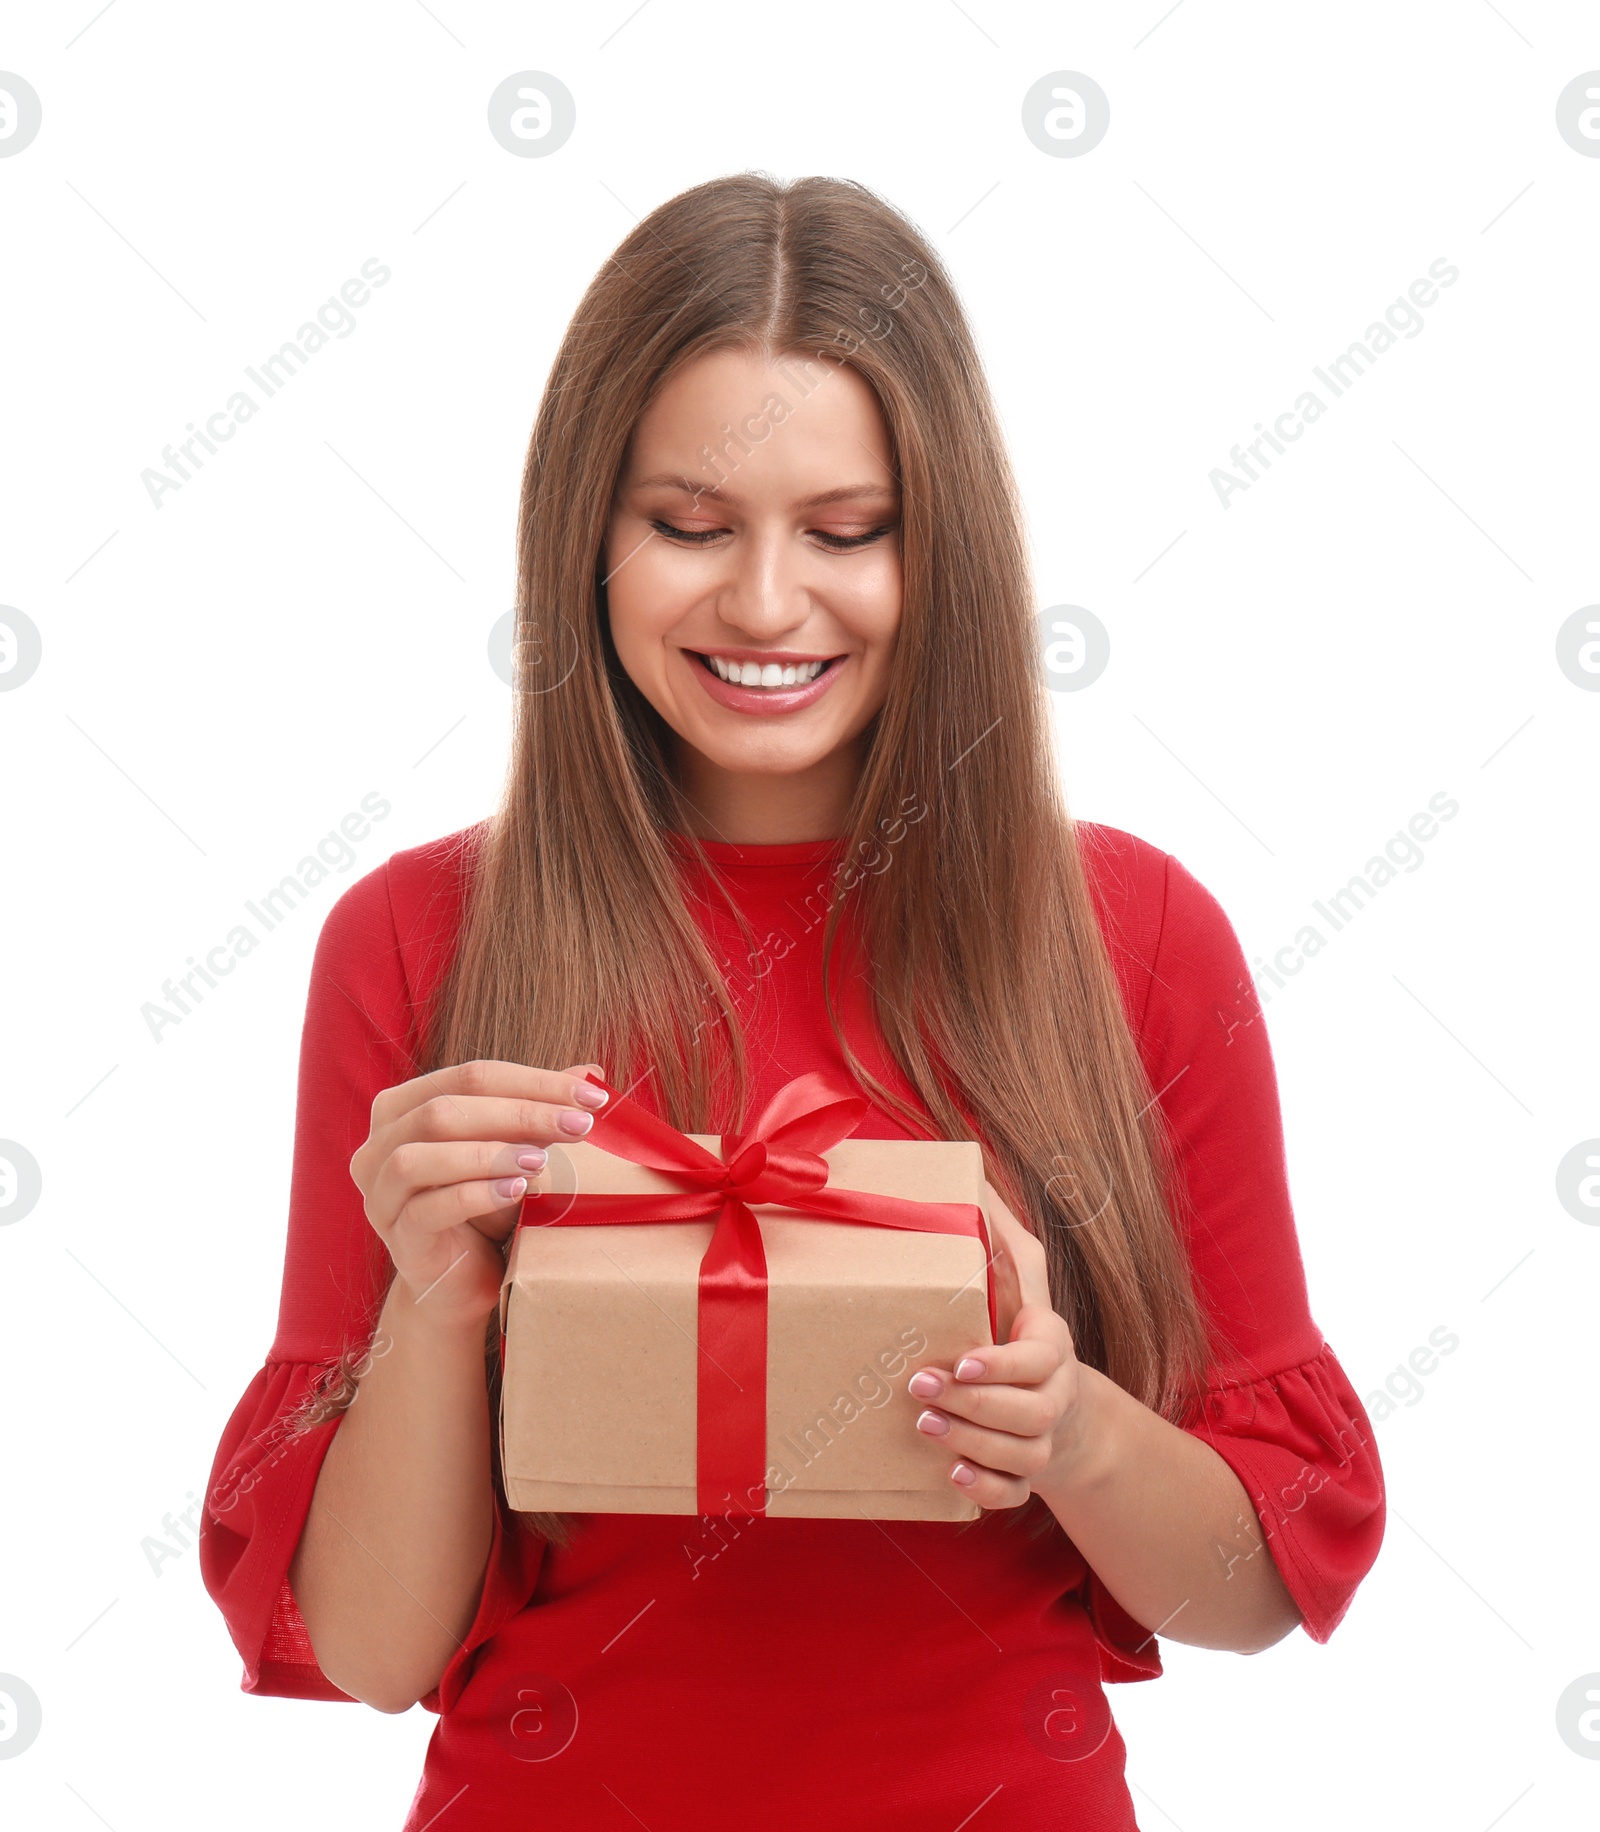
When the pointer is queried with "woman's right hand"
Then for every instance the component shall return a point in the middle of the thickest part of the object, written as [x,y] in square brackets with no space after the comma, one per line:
[444,1168]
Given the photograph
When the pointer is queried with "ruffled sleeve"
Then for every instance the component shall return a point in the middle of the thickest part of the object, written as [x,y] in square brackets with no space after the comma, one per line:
[1277,1405]
[379,952]
[261,1487]
[1301,1443]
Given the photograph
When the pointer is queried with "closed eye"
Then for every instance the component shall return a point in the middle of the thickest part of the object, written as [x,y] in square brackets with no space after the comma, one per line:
[835,543]
[698,536]
[842,543]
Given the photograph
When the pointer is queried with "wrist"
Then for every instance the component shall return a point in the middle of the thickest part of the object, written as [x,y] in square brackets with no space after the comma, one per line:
[1089,1442]
[435,1328]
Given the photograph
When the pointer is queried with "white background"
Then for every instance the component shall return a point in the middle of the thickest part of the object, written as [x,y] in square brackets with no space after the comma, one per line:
[1292,677]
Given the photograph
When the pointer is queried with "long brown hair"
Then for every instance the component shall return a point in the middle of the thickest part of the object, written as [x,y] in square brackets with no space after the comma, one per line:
[993,985]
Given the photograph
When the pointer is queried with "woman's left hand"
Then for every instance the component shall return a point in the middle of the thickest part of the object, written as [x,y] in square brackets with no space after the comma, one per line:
[1013,1413]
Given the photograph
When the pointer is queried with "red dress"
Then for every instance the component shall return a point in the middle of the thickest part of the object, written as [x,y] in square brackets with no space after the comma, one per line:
[675,1673]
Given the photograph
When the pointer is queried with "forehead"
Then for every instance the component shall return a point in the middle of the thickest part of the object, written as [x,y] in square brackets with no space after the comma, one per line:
[784,423]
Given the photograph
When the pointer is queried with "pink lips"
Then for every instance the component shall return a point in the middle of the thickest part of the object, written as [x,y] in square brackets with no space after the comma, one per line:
[763,699]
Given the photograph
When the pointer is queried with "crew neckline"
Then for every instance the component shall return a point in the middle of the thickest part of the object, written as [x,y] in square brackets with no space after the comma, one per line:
[782,852]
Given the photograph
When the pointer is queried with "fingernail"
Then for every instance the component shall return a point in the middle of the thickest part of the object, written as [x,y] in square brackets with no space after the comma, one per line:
[968,1368]
[509,1188]
[588,1095]
[925,1384]
[534,1158]
[934,1423]
[576,1123]
[965,1476]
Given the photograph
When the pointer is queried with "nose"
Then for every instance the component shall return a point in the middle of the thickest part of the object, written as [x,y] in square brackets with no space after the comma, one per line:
[765,593]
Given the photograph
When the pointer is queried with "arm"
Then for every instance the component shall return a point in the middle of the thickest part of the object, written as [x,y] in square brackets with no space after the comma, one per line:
[421,1418]
[391,1561]
[1158,1514]
[1166,1524]
[390,1564]
[1170,1518]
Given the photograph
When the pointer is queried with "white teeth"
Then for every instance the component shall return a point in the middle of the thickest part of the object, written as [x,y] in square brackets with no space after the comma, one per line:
[770,674]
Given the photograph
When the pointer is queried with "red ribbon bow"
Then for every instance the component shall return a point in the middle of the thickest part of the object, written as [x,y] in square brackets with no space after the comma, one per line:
[776,1160]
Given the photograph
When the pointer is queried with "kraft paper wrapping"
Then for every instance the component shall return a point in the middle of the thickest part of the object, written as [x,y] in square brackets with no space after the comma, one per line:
[599,1390]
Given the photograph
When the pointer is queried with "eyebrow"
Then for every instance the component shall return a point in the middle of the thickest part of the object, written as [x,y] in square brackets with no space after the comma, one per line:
[844,492]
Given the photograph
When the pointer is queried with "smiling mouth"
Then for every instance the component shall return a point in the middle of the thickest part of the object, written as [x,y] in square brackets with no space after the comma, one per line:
[769,675]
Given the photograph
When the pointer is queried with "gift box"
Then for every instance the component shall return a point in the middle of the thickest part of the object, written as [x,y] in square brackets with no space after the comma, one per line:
[695,1325]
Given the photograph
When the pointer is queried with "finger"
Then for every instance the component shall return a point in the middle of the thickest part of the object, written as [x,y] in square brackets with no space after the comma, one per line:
[990,1488]
[479,1203]
[1022,1412]
[1002,1451]
[1018,1262]
[483,1076]
[448,1119]
[1007,1291]
[419,1166]
[1023,1250]
[1026,1367]
[1013,1360]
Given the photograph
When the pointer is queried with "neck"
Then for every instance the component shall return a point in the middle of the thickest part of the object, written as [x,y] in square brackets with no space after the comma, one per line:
[753,808]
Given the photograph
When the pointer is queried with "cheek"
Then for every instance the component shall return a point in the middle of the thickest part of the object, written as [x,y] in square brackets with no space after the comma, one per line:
[645,595]
[871,602]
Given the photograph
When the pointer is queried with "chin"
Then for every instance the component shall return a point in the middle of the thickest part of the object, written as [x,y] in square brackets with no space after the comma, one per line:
[764,760]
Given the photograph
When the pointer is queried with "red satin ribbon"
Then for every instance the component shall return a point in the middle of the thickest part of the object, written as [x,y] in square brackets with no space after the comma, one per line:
[776,1160]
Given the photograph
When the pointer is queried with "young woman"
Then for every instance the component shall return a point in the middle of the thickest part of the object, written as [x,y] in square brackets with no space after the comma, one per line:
[783,799]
